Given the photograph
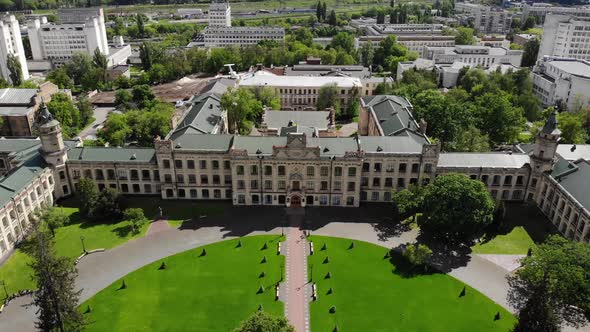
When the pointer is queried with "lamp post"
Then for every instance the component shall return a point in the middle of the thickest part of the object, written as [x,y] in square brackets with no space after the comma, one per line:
[5,291]
[311,273]
[83,246]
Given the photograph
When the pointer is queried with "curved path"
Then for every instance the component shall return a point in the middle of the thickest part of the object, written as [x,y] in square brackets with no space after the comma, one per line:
[99,270]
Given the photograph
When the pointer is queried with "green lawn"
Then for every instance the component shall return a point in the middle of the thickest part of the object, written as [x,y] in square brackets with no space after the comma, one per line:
[210,293]
[16,271]
[523,227]
[371,294]
[516,242]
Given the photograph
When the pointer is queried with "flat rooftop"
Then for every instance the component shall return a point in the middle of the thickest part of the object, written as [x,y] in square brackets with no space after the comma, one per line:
[578,68]
[262,78]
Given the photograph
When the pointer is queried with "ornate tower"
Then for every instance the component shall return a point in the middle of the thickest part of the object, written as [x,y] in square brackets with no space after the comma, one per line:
[52,143]
[546,145]
[543,155]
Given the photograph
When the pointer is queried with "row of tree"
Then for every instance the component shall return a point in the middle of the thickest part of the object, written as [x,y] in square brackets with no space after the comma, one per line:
[87,73]
[482,111]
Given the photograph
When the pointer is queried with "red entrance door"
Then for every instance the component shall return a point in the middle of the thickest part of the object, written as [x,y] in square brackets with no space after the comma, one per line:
[296,201]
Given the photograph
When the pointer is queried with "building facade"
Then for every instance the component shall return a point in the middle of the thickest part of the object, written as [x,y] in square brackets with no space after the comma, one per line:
[295,170]
[541,10]
[562,82]
[483,56]
[79,31]
[486,19]
[565,36]
[11,43]
[220,33]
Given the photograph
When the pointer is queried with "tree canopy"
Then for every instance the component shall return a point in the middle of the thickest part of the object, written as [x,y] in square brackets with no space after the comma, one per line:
[243,109]
[261,321]
[553,284]
[455,208]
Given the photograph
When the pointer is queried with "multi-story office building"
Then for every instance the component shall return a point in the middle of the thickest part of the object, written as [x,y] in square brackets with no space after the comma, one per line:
[565,36]
[300,93]
[220,32]
[295,170]
[540,11]
[483,56]
[413,43]
[11,43]
[486,19]
[563,81]
[79,31]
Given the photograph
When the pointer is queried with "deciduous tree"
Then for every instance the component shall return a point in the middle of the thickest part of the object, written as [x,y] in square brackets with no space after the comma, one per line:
[261,321]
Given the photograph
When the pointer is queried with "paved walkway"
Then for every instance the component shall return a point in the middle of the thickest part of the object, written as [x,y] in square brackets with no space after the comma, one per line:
[99,270]
[296,305]
[157,226]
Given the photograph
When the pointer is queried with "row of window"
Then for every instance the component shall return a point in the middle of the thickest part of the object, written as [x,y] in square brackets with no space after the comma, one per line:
[282,170]
[309,200]
[190,164]
[121,174]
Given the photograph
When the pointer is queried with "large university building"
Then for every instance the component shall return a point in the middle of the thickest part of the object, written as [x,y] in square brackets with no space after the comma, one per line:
[564,81]
[565,36]
[292,169]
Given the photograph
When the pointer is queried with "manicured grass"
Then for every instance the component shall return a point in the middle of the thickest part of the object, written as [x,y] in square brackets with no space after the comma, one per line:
[194,293]
[517,242]
[16,271]
[371,294]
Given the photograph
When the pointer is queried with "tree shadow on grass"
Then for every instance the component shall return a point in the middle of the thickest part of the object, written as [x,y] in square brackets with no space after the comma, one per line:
[391,227]
[404,269]
[123,230]
[446,257]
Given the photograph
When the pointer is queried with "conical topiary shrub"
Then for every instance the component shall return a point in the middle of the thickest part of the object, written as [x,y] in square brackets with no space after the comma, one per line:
[263,260]
[330,291]
[351,245]
[88,310]
[260,307]
[333,309]
[162,266]
[260,290]
[262,274]
[203,253]
[265,246]
[335,328]
[326,260]
[239,245]
[497,316]
[386,255]
[328,275]
[324,247]
[123,285]
[463,292]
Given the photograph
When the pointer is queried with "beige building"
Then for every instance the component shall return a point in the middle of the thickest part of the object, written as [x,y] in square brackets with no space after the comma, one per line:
[292,170]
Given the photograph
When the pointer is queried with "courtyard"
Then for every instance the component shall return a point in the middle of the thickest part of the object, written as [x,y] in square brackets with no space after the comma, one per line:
[194,225]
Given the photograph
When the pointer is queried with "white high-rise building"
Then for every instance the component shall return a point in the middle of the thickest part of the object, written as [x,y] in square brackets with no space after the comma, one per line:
[80,31]
[220,14]
[11,43]
[220,33]
[564,81]
[541,10]
[565,36]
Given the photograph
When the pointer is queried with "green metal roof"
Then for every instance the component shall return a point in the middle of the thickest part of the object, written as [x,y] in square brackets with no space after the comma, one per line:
[407,142]
[333,146]
[8,145]
[19,177]
[258,145]
[577,182]
[112,154]
[203,142]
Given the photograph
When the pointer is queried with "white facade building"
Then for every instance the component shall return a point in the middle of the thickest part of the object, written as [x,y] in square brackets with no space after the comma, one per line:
[80,31]
[540,11]
[563,80]
[11,43]
[565,36]
[220,32]
[483,56]
[486,19]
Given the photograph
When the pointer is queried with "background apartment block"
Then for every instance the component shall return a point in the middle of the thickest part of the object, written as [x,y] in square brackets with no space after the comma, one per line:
[11,43]
[562,80]
[565,36]
[540,11]
[486,19]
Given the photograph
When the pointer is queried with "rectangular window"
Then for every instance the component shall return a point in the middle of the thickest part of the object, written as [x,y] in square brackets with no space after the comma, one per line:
[205,193]
[136,188]
[253,170]
[268,170]
[192,178]
[337,171]
[241,184]
[215,164]
[351,186]
[190,164]
[310,171]
[166,163]
[310,185]
[377,167]
[193,193]
[324,185]
[401,183]
[134,174]
[402,168]
[145,174]
[324,171]
[204,179]
[147,188]
[227,179]
[337,185]
[179,178]
[376,182]
[254,184]
[282,185]
[366,167]
[240,170]
[267,185]
[352,171]
[364,181]
[375,196]
[216,179]
[281,170]
[226,164]
[178,163]
[203,164]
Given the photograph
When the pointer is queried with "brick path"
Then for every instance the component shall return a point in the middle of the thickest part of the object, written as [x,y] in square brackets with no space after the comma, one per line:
[158,226]
[296,305]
